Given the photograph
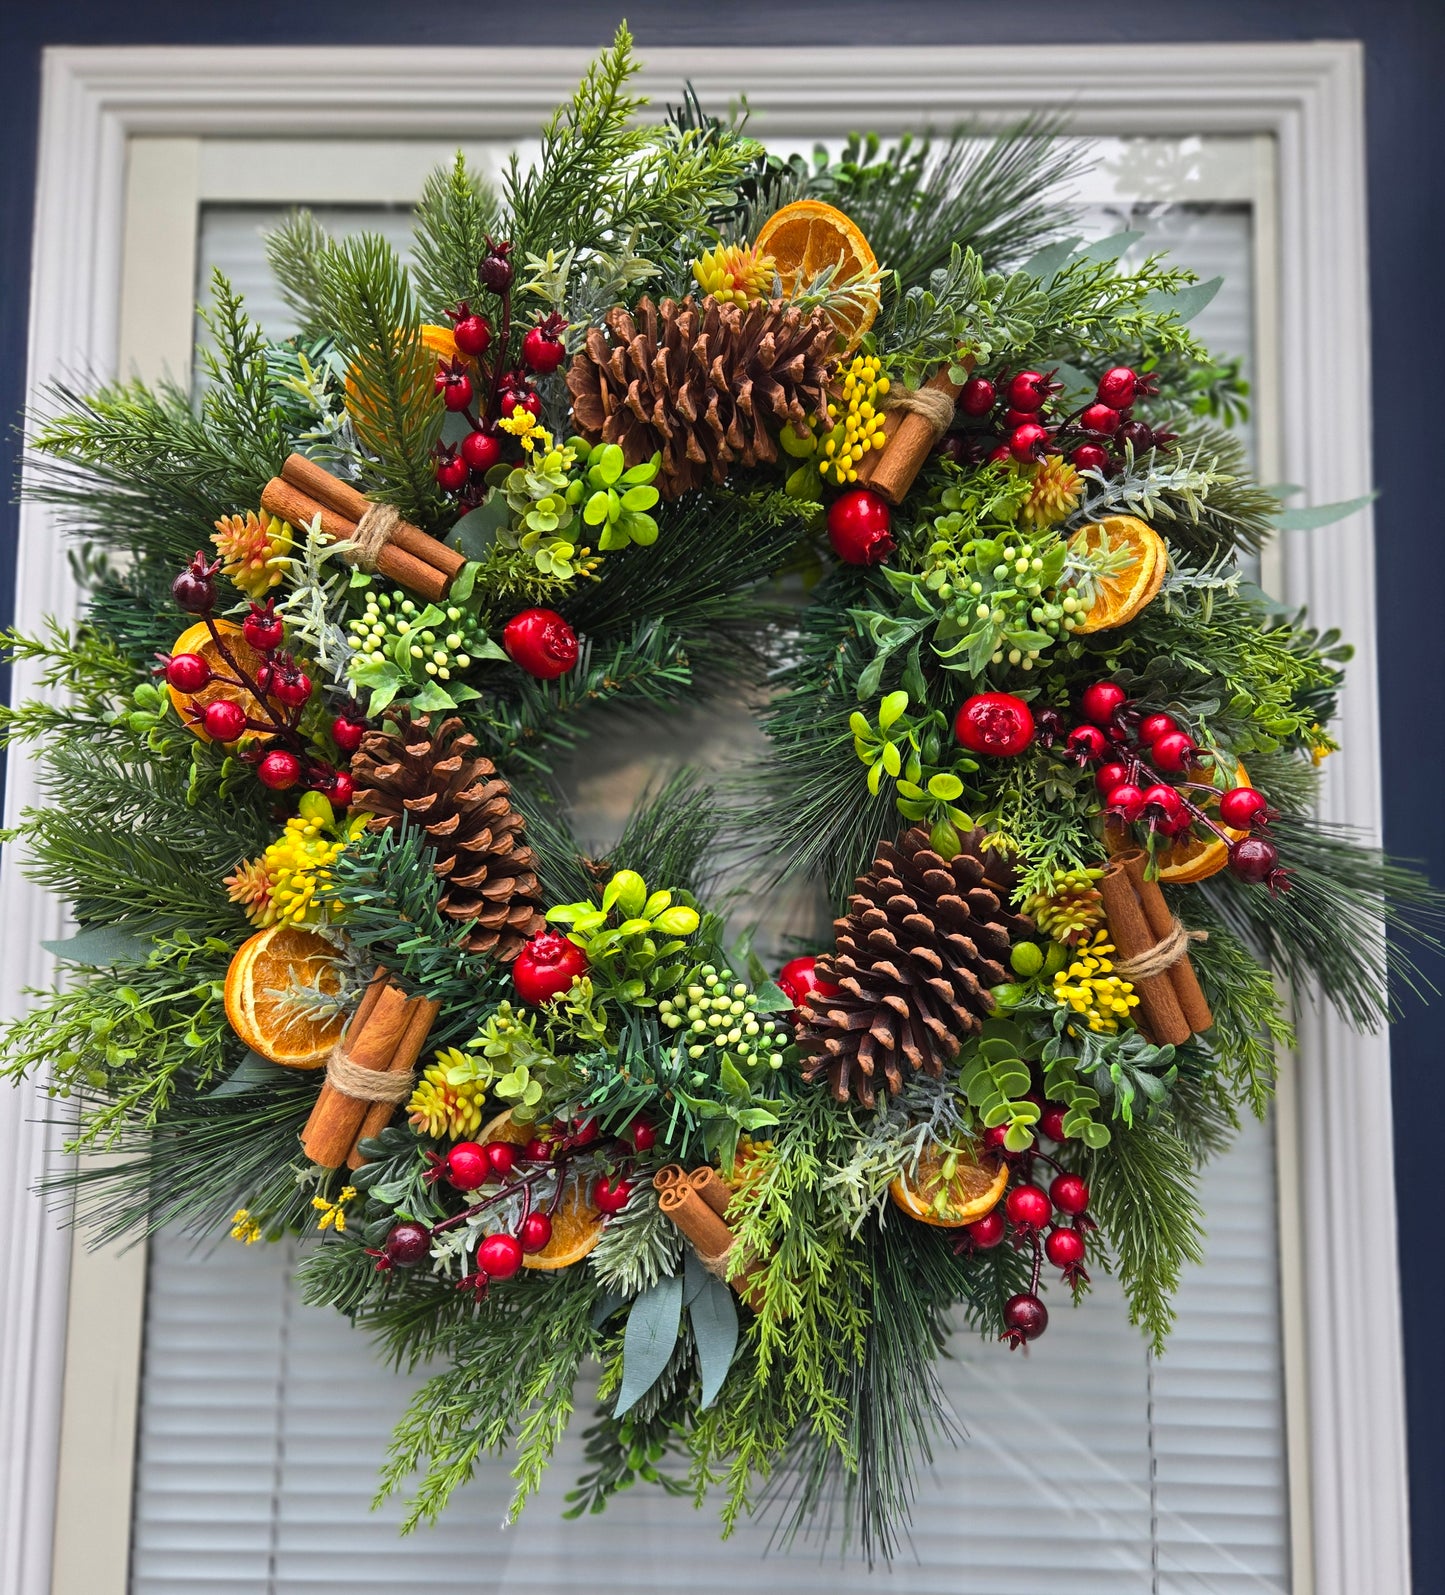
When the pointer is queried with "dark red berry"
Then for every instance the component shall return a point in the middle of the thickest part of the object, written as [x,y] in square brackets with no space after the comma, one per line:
[481,451]
[859,527]
[499,1256]
[494,269]
[195,588]
[536,1232]
[1101,419]
[977,397]
[1154,726]
[1109,777]
[546,967]
[988,1231]
[1253,859]
[1065,1248]
[1028,1207]
[1118,388]
[451,473]
[467,1166]
[1025,441]
[1138,435]
[501,1158]
[1029,390]
[407,1244]
[540,642]
[1241,806]
[1088,742]
[799,977]
[994,723]
[187,672]
[1090,457]
[542,352]
[642,1135]
[224,720]
[1070,1193]
[279,770]
[1051,1122]
[1127,801]
[347,733]
[473,333]
[1102,701]
[610,1196]
[1025,1318]
[1174,752]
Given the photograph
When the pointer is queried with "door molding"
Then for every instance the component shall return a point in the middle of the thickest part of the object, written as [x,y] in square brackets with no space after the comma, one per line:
[1307,97]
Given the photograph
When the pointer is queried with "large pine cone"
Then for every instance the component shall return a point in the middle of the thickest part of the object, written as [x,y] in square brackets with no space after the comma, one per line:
[454,793]
[922,943]
[708,386]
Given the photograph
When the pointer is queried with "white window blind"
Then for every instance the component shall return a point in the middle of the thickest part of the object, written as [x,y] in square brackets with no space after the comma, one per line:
[1090,1466]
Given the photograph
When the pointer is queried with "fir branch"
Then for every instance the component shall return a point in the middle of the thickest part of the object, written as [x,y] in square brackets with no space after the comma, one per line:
[455,217]
[639,1246]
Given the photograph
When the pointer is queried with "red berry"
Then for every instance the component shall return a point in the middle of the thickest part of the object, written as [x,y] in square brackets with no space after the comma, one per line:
[1025,441]
[1065,1248]
[501,1158]
[542,353]
[499,1256]
[988,1231]
[194,589]
[292,687]
[1174,752]
[540,642]
[993,1138]
[407,1244]
[1028,1207]
[1102,701]
[1118,388]
[1088,741]
[467,1166]
[347,733]
[340,789]
[187,672]
[1253,859]
[610,1196]
[583,1134]
[1090,457]
[455,387]
[859,523]
[473,333]
[1025,1318]
[451,473]
[1171,813]
[1241,806]
[1029,390]
[514,399]
[994,723]
[1127,801]
[1138,435]
[1051,1122]
[1070,1193]
[539,1151]
[224,720]
[978,396]
[642,1135]
[536,1232]
[279,770]
[263,628]
[1154,726]
[1017,418]
[546,967]
[481,451]
[797,978]
[1109,777]
[1002,452]
[1101,419]
[494,269]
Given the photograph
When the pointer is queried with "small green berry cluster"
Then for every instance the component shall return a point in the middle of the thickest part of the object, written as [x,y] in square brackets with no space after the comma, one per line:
[716,1010]
[422,639]
[1002,594]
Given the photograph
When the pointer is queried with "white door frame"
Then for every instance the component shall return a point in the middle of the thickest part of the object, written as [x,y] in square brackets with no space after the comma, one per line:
[1307,97]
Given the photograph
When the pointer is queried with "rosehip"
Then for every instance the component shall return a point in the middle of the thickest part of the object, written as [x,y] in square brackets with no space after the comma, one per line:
[993,1138]
[481,451]
[494,269]
[501,1158]
[1025,441]
[540,642]
[610,1196]
[1028,1207]
[499,1256]
[1065,1248]
[546,967]
[194,589]
[454,386]
[583,1134]
[224,720]
[473,332]
[514,399]
[340,789]
[347,733]
[1025,1318]
[263,629]
[536,1232]
[451,473]
[278,770]
[292,687]
[1102,701]
[1174,752]
[1088,741]
[798,978]
[1100,418]
[1090,457]
[859,527]
[977,397]
[467,1166]
[407,1244]
[1118,388]
[1070,1193]
[539,1151]
[988,1231]
[187,672]
[1138,435]
[1241,806]
[1154,726]
[994,723]
[1127,801]
[1253,859]
[542,352]
[1000,454]
[1029,390]
[1108,778]
[1171,813]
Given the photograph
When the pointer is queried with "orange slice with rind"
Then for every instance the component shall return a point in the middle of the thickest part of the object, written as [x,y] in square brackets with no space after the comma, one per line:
[1120,597]
[576,1224]
[807,237]
[197,639]
[932,1194]
[264,973]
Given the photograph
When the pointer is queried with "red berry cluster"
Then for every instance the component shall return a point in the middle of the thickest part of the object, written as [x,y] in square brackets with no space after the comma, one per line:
[1133,753]
[1015,418]
[485,391]
[282,689]
[1026,1217]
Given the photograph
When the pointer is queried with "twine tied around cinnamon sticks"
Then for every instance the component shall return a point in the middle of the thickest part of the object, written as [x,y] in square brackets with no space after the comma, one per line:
[1153,949]
[697,1203]
[378,538]
[914,420]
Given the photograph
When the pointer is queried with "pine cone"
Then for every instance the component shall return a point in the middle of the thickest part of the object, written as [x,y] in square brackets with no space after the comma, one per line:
[922,943]
[454,793]
[708,386]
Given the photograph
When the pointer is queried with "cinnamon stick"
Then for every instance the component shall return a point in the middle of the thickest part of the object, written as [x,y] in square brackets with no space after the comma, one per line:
[1187,990]
[713,1189]
[1162,1018]
[280,498]
[403,1061]
[371,1042]
[710,1237]
[890,471]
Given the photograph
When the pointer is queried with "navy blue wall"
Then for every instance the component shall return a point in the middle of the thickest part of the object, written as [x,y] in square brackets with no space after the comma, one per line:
[1405,54]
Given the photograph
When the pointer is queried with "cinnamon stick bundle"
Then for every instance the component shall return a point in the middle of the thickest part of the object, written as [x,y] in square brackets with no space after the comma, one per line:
[1162,1016]
[403,553]
[911,430]
[1187,990]
[696,1203]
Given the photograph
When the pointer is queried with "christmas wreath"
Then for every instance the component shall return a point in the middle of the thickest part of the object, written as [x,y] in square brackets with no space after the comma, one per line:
[340,966]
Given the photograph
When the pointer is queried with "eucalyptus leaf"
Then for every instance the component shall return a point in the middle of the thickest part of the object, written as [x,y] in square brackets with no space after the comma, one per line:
[648,1340]
[100,946]
[714,1318]
[1186,303]
[253,1073]
[1306,520]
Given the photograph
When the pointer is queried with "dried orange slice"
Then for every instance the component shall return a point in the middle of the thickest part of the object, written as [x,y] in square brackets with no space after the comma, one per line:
[808,236]
[197,639]
[576,1224]
[927,1194]
[263,974]
[1119,598]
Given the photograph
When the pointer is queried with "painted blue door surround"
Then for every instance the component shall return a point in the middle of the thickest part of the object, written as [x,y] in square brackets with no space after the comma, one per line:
[1404,59]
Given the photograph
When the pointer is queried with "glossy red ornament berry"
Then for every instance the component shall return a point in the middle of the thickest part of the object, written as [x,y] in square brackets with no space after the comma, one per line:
[610,1196]
[583,1134]
[994,723]
[1025,1318]
[536,1232]
[481,451]
[1127,801]
[455,388]
[452,473]
[1167,809]
[540,642]
[1028,390]
[1174,752]
[279,770]
[859,527]
[1241,806]
[292,687]
[546,967]
[501,1158]
[1100,418]
[467,1166]
[340,789]
[1001,453]
[1253,859]
[1088,741]
[1025,441]
[1118,388]
[407,1244]
[1154,726]
[499,1256]
[977,397]
[539,1151]
[1108,777]
[1090,457]
[347,733]
[1065,1248]
[1051,1122]
[188,673]
[224,720]
[473,333]
[1069,1193]
[642,1135]
[541,352]
[988,1231]
[263,629]
[798,977]
[1102,701]
[1028,1207]
[993,1138]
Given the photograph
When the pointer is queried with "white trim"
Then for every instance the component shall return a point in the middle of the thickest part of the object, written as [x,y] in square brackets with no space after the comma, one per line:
[1307,97]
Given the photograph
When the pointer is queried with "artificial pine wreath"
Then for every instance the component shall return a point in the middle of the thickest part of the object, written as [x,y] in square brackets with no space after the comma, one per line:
[341,966]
